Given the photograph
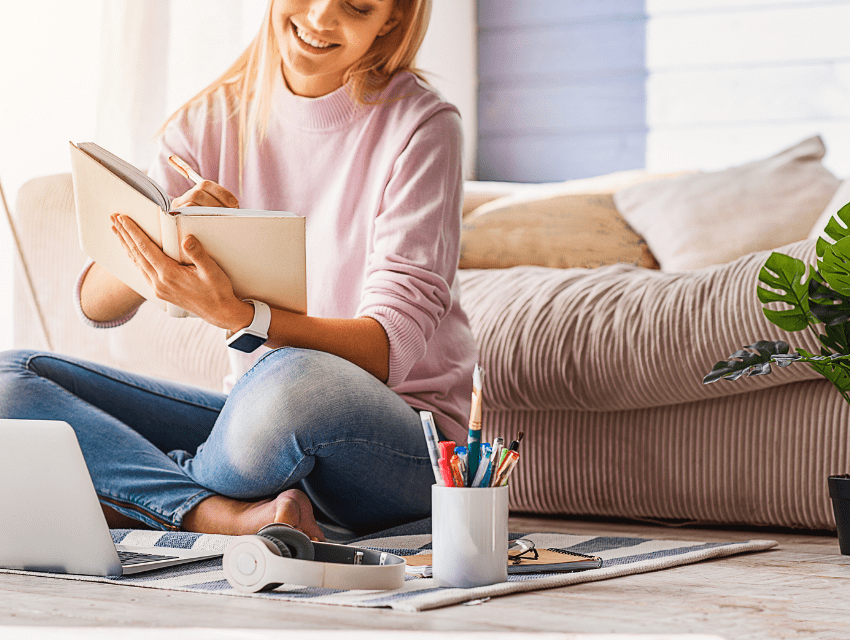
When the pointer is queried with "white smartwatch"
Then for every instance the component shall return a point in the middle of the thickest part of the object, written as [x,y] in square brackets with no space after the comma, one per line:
[255,334]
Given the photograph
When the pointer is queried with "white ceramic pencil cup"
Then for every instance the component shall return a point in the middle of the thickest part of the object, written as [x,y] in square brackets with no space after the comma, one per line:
[469,530]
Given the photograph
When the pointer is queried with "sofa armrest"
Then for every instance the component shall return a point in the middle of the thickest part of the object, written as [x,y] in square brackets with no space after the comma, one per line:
[620,337]
[152,343]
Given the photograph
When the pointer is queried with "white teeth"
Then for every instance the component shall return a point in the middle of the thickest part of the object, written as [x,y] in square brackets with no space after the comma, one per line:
[306,37]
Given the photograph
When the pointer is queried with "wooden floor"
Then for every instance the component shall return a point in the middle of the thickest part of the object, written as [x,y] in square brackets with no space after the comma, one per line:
[800,590]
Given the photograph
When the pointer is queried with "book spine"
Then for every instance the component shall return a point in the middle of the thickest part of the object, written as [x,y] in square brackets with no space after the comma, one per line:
[169,228]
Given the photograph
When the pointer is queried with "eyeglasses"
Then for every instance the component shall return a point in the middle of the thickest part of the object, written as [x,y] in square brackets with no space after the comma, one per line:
[521,549]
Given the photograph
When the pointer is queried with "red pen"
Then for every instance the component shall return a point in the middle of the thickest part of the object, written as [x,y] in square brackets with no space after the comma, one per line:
[447,449]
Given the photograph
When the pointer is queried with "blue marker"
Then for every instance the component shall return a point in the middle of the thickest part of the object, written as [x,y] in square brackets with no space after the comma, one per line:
[495,456]
[483,465]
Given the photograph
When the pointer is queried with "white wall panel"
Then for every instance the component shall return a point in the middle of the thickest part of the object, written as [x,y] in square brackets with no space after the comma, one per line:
[706,83]
[760,35]
[731,81]
[755,94]
[686,6]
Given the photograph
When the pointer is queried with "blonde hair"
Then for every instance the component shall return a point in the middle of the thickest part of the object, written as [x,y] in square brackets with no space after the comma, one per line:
[249,81]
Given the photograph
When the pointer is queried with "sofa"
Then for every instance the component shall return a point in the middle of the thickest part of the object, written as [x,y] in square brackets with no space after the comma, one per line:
[598,305]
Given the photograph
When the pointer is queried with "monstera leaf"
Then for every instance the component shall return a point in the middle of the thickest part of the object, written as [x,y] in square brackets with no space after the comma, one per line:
[828,306]
[834,368]
[821,298]
[752,360]
[834,266]
[835,337]
[835,230]
[788,276]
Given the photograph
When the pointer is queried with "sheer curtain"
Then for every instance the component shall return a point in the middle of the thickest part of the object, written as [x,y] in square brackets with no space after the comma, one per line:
[155,55]
[111,71]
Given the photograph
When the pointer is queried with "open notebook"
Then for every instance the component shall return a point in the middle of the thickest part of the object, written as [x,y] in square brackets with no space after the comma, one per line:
[262,252]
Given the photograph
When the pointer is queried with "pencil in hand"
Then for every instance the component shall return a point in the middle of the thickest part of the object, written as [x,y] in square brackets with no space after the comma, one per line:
[181,166]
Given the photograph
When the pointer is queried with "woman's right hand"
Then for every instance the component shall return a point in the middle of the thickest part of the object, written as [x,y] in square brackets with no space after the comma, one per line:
[206,194]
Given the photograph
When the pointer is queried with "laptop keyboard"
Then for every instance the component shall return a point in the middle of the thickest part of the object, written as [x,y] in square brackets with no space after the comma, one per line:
[128,558]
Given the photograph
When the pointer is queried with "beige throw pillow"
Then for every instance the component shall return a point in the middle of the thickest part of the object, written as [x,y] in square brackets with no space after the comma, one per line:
[702,219]
[560,225]
[839,199]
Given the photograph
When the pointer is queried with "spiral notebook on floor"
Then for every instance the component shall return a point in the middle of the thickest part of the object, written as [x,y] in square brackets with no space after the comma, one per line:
[50,516]
[546,561]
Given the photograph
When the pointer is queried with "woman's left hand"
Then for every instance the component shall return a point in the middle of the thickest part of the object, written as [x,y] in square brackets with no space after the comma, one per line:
[200,287]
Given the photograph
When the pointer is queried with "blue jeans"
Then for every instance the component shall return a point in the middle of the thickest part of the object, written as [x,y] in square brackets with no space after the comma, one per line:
[298,418]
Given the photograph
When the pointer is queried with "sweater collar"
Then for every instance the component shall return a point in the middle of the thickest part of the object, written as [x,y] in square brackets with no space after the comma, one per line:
[331,111]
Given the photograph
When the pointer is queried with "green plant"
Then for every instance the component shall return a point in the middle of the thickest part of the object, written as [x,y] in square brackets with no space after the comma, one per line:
[814,298]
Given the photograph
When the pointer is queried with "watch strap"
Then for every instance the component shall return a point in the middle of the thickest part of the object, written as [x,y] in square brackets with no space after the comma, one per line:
[262,317]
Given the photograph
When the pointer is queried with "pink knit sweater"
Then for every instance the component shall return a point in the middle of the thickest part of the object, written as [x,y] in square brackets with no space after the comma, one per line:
[381,188]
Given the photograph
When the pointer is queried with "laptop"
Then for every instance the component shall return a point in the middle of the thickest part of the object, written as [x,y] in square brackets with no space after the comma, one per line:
[50,516]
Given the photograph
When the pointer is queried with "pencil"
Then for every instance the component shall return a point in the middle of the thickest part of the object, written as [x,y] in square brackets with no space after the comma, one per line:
[474,439]
[181,166]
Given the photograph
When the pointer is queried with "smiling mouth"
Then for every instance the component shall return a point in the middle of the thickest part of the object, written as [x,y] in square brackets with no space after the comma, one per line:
[310,42]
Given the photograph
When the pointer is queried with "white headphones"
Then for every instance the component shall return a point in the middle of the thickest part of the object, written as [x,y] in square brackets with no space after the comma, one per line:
[278,554]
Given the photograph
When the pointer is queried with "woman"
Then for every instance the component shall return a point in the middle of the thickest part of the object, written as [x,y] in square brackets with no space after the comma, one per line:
[323,116]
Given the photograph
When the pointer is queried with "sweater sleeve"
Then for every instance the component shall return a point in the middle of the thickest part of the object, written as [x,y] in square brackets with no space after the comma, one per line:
[416,242]
[79,307]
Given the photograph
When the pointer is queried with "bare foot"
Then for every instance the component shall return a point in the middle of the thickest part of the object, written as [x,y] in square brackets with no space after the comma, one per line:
[218,514]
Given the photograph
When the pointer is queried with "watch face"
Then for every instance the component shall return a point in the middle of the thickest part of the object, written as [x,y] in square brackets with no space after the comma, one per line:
[246,342]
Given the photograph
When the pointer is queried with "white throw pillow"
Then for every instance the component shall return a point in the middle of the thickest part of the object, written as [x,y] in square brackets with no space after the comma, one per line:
[701,219]
[839,199]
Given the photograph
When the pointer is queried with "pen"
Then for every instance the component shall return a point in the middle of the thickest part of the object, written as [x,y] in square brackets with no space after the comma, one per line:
[508,464]
[514,446]
[457,476]
[474,439]
[446,473]
[431,440]
[463,456]
[180,165]
[483,465]
[495,459]
[446,451]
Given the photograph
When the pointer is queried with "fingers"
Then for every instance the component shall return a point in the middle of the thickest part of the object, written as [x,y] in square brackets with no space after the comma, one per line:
[138,246]
[195,252]
[206,194]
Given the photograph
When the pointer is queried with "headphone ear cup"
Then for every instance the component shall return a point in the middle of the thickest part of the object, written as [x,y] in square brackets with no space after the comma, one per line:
[282,549]
[290,542]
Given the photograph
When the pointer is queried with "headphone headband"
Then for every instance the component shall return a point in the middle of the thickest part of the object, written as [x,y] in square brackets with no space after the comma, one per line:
[254,563]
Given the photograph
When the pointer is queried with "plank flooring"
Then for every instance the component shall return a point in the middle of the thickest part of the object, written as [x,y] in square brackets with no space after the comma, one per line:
[799,590]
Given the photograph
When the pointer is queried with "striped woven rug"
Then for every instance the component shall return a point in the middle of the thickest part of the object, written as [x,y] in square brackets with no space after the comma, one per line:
[621,556]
